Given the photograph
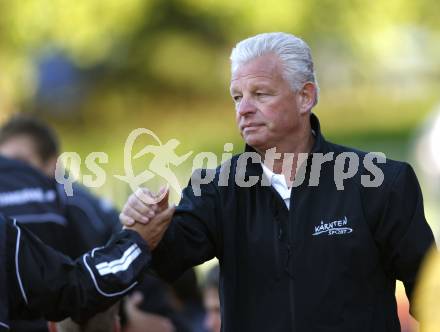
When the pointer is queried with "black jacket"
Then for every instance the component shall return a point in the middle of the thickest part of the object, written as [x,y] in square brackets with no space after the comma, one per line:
[28,195]
[38,281]
[328,264]
[33,199]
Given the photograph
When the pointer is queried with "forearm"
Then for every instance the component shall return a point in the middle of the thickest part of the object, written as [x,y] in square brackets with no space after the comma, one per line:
[50,284]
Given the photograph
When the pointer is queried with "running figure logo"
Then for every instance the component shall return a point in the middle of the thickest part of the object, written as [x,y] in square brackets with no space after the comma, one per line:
[164,155]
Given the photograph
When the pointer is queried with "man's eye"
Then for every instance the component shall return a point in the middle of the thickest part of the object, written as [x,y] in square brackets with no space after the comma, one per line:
[236,98]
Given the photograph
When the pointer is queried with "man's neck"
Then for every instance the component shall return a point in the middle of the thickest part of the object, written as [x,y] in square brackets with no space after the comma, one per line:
[286,159]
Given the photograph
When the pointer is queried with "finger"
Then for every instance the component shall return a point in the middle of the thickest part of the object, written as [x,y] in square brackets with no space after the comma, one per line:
[135,203]
[146,196]
[126,220]
[132,213]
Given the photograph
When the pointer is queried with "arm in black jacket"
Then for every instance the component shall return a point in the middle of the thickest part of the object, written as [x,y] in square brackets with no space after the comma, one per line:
[401,232]
[193,235]
[41,281]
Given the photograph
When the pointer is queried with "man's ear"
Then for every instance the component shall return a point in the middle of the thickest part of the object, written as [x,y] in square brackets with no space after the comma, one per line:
[307,97]
[50,166]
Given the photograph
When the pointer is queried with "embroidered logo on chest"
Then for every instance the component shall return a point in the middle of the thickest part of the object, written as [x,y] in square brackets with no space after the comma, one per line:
[337,227]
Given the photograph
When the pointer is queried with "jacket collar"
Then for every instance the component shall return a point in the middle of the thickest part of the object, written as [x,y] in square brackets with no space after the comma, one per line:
[320,144]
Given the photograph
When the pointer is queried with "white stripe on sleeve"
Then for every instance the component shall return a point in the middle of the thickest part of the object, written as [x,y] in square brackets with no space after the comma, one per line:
[120,264]
[17,267]
[4,325]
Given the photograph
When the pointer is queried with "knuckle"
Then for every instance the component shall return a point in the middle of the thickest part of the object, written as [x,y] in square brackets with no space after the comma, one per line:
[138,192]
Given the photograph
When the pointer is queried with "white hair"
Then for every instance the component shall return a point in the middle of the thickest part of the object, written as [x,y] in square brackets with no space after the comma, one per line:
[293,52]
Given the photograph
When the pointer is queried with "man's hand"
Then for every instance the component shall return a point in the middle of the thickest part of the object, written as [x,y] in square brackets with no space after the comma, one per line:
[148,214]
[153,231]
[143,205]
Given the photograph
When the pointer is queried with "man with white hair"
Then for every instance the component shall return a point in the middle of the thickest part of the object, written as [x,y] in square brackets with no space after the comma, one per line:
[310,235]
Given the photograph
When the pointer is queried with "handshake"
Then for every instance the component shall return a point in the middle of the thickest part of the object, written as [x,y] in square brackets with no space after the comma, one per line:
[148,214]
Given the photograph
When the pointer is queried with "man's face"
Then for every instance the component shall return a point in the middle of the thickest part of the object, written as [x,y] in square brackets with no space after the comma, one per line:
[212,307]
[21,147]
[267,114]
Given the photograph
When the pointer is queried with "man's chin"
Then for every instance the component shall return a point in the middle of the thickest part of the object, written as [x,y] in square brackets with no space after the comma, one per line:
[256,143]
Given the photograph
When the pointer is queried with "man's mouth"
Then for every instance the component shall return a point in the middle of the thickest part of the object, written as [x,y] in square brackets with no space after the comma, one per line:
[250,126]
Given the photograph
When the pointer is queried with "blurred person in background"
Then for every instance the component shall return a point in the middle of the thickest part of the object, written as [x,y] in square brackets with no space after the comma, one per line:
[179,302]
[27,194]
[106,321]
[28,139]
[136,319]
[306,257]
[427,155]
[29,149]
[72,225]
[187,300]
[91,220]
[211,300]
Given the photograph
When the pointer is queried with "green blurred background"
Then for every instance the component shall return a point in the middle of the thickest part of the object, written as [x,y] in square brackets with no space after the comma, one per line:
[96,70]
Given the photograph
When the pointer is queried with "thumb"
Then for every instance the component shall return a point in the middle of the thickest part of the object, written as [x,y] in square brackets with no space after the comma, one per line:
[162,197]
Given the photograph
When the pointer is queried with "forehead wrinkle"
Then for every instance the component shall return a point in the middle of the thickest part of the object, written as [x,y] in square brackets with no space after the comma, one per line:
[268,76]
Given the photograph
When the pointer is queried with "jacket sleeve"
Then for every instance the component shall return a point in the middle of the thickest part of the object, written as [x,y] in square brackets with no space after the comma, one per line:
[403,235]
[193,235]
[43,282]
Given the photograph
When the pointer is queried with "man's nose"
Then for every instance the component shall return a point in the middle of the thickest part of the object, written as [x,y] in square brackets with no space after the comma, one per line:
[245,107]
